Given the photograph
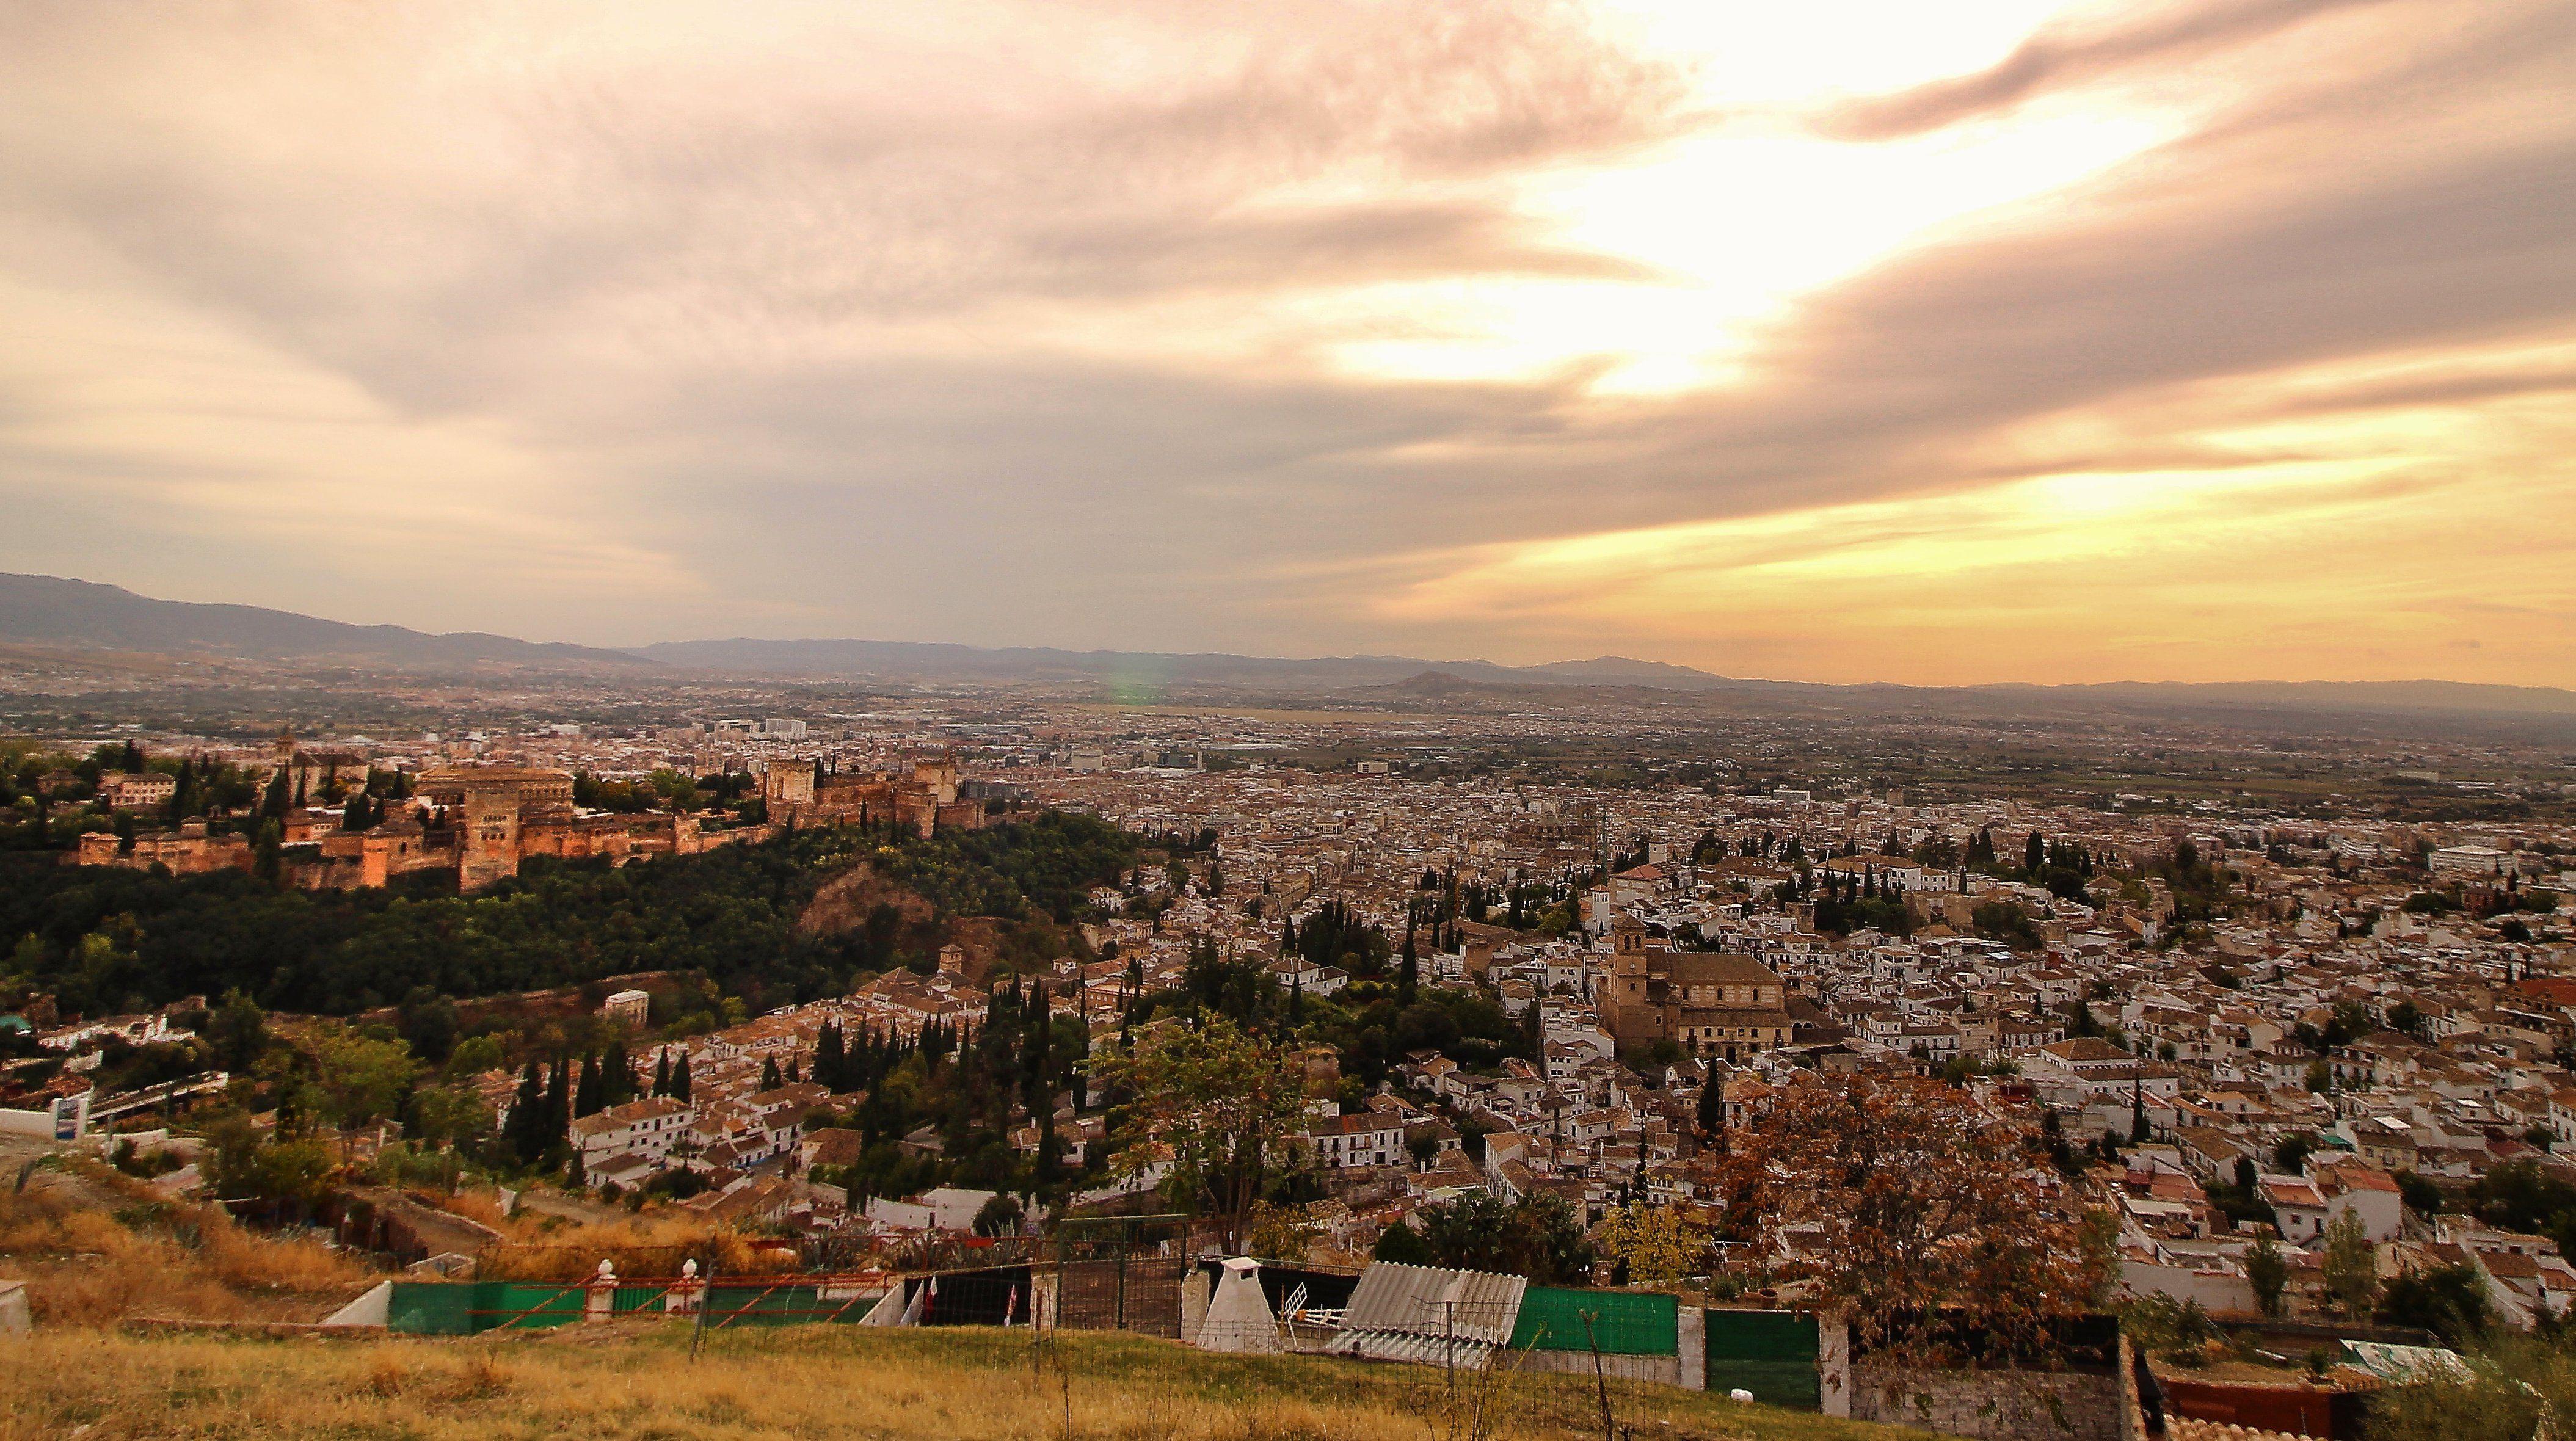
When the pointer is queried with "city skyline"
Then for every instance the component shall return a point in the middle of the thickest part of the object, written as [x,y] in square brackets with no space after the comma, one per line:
[2012,342]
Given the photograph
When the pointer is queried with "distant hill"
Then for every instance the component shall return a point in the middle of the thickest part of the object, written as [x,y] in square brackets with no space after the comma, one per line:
[916,661]
[79,615]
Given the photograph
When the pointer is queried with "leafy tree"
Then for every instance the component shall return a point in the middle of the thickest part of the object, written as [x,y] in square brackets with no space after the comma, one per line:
[1908,1196]
[1653,1245]
[1404,1246]
[2347,1266]
[1279,1233]
[361,1078]
[1217,1103]
[1000,1216]
[2268,1272]
[238,1030]
[2176,1331]
[1538,1237]
[290,1173]
[2290,1157]
[2450,1301]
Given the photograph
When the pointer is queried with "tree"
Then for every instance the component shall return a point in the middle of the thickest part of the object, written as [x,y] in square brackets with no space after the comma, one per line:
[2348,1266]
[361,1079]
[1653,1245]
[999,1216]
[523,1129]
[1904,1195]
[2290,1157]
[238,1030]
[2450,1301]
[2034,853]
[2268,1272]
[586,1095]
[1538,1237]
[1217,1103]
[1279,1233]
[1403,1246]
[268,854]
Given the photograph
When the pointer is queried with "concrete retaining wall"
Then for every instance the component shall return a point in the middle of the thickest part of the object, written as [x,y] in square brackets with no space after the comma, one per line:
[1664,1370]
[1991,1405]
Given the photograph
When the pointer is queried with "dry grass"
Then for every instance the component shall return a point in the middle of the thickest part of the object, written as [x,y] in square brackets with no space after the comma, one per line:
[86,1266]
[636,1383]
[651,1244]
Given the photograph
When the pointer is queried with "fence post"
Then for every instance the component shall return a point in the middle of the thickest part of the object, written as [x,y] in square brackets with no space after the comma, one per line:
[1834,1364]
[600,1301]
[1600,1383]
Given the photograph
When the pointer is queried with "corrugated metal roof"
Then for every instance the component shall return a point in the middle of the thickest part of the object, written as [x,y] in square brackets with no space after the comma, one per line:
[1420,1350]
[1435,1302]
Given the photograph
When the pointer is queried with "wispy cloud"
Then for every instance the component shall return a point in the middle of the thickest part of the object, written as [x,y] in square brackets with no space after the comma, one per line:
[1312,326]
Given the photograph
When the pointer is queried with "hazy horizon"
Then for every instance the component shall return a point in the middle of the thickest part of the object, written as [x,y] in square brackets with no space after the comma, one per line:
[1990,343]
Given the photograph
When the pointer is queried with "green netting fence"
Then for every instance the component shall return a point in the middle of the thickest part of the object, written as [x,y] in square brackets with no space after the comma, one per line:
[464,1308]
[1769,1353]
[1624,1323]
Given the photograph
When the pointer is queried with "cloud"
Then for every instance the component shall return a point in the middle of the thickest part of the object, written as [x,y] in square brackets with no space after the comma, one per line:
[815,313]
[2064,57]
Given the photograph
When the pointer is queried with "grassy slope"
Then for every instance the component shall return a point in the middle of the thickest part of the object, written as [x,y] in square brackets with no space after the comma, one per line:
[636,1381]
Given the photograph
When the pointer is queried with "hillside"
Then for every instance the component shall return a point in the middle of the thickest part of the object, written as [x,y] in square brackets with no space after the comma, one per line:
[45,610]
[737,914]
[636,1381]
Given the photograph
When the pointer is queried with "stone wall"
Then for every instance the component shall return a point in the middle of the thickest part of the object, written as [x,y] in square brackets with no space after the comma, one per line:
[1991,1405]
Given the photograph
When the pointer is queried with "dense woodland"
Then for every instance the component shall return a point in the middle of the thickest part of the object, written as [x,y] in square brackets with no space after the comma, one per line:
[109,940]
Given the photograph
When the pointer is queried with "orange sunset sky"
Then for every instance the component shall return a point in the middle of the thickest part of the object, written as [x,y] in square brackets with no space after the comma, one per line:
[1990,340]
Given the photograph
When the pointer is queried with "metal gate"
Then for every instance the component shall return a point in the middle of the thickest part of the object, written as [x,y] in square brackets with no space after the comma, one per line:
[1769,1353]
[1121,1273]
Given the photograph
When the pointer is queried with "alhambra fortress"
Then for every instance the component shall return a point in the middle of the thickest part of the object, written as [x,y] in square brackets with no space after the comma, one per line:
[480,822]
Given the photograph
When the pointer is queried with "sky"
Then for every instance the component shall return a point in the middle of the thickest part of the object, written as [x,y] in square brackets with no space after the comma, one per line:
[1993,340]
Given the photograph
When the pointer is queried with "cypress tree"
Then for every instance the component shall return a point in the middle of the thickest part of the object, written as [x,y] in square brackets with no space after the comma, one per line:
[268,855]
[769,1078]
[617,1076]
[662,1072]
[523,1128]
[586,1096]
[830,1058]
[680,1078]
[556,1122]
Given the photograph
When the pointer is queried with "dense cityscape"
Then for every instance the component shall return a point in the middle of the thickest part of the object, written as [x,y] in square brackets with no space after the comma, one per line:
[2257,991]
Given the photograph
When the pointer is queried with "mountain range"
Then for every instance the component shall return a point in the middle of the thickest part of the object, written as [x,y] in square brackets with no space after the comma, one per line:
[77,616]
